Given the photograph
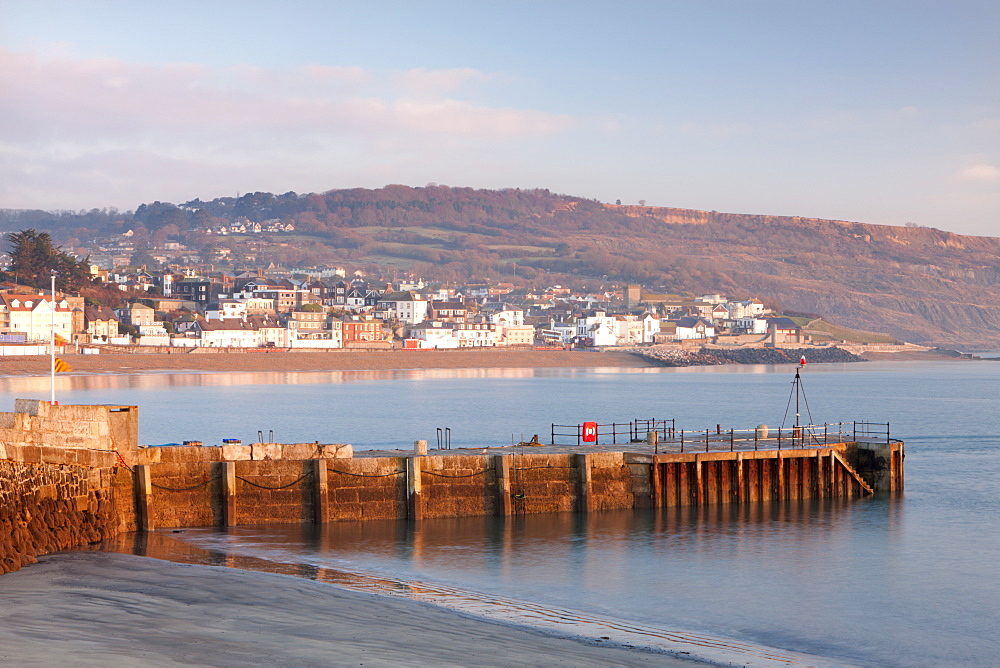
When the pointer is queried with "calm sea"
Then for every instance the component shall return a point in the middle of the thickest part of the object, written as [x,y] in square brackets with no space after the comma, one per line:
[909,580]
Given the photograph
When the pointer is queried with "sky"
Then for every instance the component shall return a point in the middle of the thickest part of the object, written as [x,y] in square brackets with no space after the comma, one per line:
[873,111]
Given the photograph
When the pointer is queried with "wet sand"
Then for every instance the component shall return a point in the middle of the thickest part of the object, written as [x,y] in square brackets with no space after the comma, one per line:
[491,358]
[102,609]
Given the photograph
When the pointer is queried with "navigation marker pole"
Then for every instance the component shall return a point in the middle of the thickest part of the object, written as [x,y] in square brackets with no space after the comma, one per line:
[52,341]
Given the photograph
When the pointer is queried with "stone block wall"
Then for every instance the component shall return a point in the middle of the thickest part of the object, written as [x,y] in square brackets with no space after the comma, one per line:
[458,486]
[229,452]
[367,489]
[544,483]
[611,482]
[185,494]
[37,423]
[274,491]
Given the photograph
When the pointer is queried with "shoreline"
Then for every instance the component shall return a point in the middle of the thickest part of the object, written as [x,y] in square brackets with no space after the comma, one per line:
[102,608]
[491,358]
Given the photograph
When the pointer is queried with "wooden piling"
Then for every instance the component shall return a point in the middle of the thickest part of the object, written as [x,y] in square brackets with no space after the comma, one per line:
[504,502]
[228,493]
[656,474]
[414,502]
[143,497]
[321,492]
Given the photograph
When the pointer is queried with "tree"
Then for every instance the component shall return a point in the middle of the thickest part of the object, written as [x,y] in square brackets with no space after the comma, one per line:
[34,258]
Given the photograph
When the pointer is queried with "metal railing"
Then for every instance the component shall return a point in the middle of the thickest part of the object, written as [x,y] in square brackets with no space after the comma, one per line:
[669,438]
[872,432]
[612,433]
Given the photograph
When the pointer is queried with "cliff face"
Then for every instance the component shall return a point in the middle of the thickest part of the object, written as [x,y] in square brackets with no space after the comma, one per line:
[919,284]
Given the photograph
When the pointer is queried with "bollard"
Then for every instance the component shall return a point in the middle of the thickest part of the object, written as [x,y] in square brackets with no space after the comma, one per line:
[420,447]
[653,439]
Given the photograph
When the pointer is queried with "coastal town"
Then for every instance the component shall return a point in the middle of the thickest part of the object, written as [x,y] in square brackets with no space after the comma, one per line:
[326,308]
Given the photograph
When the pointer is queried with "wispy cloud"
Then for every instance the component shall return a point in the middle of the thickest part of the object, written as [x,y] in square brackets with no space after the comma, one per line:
[59,110]
[979,173]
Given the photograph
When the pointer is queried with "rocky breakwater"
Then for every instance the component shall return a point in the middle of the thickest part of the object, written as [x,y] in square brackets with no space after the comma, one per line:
[677,357]
[53,505]
[59,479]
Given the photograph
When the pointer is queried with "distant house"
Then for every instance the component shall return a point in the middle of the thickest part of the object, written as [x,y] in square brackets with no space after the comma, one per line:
[784,330]
[137,314]
[433,334]
[359,331]
[99,323]
[475,335]
[32,316]
[691,327]
[407,307]
[448,311]
[599,328]
[227,333]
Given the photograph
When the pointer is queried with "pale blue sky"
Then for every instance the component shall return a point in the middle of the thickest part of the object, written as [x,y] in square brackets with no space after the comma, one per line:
[882,112]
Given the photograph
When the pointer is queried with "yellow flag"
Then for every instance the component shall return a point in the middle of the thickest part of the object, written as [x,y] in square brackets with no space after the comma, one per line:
[62,366]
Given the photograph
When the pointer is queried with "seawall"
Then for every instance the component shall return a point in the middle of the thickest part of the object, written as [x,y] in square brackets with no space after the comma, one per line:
[73,475]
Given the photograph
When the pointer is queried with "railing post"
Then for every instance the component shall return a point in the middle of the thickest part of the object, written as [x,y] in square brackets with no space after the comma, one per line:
[731,439]
[682,440]
[706,439]
[552,440]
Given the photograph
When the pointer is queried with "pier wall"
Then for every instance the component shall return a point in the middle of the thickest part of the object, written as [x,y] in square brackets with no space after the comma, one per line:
[73,475]
[174,495]
[55,498]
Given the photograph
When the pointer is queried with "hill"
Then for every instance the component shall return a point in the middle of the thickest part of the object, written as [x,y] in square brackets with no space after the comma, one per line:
[918,284]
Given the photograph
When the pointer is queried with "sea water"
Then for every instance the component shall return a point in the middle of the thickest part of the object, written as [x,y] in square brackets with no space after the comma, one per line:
[903,580]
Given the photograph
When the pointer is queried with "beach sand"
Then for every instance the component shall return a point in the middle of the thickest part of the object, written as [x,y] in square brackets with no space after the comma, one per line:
[96,608]
[489,358]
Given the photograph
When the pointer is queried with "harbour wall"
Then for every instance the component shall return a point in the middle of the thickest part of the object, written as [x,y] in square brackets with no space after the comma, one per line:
[73,475]
[226,493]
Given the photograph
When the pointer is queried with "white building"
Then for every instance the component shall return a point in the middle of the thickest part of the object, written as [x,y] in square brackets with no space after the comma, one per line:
[405,306]
[434,334]
[33,316]
[599,327]
[475,334]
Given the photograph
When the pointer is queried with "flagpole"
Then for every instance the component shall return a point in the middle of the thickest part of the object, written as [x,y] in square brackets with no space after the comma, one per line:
[52,342]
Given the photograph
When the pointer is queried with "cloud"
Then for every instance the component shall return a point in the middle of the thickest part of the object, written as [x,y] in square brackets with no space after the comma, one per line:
[60,113]
[424,80]
[979,173]
[103,97]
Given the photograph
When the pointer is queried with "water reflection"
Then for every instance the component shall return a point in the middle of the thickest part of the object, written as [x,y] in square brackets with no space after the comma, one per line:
[504,569]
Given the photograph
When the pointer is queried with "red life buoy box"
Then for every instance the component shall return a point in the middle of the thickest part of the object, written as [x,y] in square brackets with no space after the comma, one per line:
[590,432]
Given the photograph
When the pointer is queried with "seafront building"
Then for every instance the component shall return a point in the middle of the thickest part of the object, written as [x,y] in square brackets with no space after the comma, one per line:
[251,310]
